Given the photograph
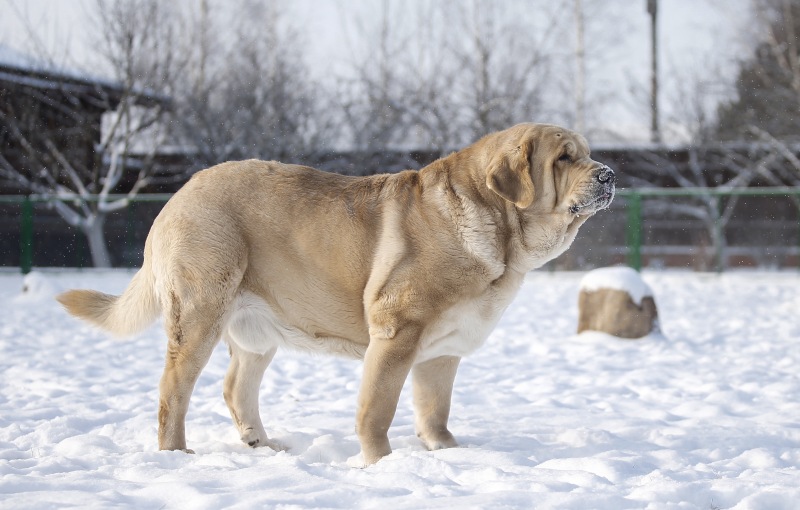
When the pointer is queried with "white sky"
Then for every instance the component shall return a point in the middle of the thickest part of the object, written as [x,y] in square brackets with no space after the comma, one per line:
[696,37]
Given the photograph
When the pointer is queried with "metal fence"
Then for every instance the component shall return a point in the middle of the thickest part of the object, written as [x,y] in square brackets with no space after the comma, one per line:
[32,234]
[698,228]
[752,227]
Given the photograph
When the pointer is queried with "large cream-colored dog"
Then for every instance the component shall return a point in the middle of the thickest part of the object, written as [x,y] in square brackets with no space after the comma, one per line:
[409,271]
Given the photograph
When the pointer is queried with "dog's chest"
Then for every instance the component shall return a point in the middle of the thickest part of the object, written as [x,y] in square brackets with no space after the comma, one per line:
[463,328]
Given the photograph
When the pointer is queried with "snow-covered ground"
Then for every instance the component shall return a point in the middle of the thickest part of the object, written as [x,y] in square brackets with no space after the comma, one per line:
[706,417]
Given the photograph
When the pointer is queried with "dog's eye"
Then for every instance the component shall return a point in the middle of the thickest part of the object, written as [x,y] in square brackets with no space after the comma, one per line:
[566,158]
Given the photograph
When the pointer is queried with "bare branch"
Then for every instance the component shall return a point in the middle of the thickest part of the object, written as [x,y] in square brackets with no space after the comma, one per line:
[776,144]
[73,175]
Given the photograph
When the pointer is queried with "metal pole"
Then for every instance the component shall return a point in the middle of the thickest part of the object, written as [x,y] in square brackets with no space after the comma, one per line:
[580,75]
[26,236]
[634,206]
[655,131]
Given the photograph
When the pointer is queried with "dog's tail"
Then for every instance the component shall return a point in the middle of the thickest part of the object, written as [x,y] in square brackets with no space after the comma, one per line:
[129,313]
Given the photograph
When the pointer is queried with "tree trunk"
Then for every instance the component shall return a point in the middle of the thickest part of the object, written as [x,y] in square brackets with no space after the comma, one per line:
[716,228]
[720,247]
[93,230]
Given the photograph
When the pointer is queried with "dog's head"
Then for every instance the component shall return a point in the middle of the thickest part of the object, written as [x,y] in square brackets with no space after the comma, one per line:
[548,169]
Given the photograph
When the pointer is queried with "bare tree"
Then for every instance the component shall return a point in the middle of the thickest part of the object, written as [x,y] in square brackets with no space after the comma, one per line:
[504,65]
[212,85]
[447,74]
[373,99]
[587,59]
[768,85]
[131,35]
[250,95]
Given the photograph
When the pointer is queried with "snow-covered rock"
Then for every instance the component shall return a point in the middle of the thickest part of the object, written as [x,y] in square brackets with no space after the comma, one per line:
[617,301]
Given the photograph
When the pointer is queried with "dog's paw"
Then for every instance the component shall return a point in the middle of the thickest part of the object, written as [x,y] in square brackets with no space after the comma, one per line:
[276,445]
[357,461]
[439,441]
[255,440]
[441,445]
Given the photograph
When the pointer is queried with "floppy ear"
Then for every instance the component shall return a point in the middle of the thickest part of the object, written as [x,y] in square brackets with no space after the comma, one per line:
[509,175]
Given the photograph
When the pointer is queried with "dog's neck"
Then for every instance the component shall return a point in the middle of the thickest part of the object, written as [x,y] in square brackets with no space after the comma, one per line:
[502,236]
[543,237]
[478,228]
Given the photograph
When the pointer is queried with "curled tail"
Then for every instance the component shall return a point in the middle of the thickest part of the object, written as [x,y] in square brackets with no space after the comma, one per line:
[129,313]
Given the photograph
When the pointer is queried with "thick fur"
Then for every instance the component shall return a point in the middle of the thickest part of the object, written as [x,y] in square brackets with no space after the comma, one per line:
[121,315]
[409,271]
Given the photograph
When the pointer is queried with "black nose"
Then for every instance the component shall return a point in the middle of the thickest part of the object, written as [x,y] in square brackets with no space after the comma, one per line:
[606,175]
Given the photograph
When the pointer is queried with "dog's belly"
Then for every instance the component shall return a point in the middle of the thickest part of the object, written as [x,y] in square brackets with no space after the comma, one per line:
[255,327]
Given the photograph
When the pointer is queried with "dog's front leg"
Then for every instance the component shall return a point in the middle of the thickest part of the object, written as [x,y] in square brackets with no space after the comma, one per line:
[387,363]
[433,387]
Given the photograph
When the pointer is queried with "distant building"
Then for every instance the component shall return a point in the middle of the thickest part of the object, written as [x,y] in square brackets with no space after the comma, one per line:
[49,113]
[51,121]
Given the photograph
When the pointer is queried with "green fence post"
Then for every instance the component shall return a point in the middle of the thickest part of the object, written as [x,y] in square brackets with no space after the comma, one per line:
[634,206]
[26,236]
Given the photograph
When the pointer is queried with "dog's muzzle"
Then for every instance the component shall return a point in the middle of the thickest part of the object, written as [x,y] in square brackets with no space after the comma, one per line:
[606,177]
[602,192]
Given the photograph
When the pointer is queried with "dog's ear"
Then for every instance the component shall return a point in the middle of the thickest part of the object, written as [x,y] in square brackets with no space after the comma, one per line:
[509,175]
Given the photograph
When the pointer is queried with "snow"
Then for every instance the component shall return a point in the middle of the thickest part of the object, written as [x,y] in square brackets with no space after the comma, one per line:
[705,417]
[24,69]
[9,57]
[621,278]
[19,61]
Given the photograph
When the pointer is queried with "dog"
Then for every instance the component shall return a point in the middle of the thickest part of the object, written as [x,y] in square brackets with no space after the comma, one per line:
[408,271]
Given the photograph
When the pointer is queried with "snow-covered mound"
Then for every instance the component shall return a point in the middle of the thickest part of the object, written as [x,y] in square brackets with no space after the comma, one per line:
[546,419]
[618,278]
[37,286]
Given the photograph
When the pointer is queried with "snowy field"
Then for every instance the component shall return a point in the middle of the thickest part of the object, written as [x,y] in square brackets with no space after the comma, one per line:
[707,416]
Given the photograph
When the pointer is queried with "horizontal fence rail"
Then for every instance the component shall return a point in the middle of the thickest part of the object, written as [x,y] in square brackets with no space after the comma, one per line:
[634,211]
[643,226]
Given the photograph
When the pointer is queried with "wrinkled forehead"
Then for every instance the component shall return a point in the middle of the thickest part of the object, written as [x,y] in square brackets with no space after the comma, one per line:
[560,137]
[550,138]
[581,146]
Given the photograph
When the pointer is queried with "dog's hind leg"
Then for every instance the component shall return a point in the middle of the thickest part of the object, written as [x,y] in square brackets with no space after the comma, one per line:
[242,382]
[193,320]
